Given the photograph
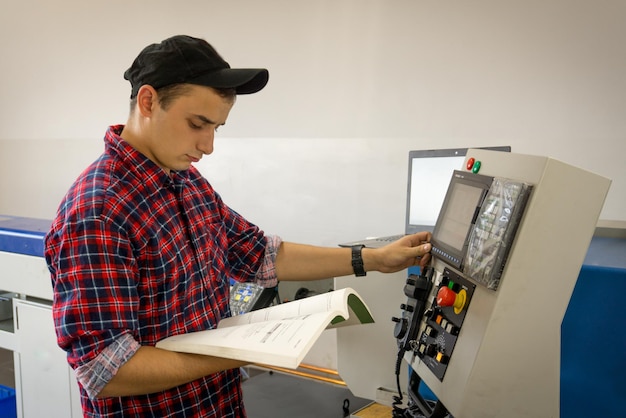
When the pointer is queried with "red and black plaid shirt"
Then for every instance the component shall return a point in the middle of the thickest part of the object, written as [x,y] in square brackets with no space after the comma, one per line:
[134,251]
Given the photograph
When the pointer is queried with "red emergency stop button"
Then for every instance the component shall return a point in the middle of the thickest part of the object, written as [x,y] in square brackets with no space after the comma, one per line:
[448,297]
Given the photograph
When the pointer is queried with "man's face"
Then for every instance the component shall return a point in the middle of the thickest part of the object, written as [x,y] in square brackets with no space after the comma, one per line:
[184,132]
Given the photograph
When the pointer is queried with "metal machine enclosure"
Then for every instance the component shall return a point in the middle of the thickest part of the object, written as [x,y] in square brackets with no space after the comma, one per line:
[506,360]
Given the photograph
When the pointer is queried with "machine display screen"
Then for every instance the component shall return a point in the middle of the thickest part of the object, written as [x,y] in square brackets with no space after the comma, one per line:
[459,212]
[464,198]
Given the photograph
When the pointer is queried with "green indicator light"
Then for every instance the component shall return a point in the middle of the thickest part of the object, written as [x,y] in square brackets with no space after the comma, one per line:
[450,284]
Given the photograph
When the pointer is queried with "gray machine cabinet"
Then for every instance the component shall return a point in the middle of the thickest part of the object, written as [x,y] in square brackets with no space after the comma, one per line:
[506,361]
[45,384]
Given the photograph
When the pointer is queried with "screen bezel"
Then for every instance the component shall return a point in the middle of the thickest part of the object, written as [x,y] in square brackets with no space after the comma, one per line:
[441,249]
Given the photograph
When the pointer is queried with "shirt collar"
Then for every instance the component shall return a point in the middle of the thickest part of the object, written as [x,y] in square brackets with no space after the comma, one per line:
[136,162]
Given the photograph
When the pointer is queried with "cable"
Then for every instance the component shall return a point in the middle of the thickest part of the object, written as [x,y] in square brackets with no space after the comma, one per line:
[412,410]
[398,411]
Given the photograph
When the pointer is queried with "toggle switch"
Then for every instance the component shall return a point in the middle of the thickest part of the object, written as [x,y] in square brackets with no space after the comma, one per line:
[430,331]
[431,350]
[451,329]
[448,297]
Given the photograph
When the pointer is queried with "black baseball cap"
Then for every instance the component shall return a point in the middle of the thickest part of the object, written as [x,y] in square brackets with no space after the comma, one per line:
[185,59]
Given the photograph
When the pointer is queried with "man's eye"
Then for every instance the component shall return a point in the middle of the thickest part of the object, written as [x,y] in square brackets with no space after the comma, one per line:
[194,126]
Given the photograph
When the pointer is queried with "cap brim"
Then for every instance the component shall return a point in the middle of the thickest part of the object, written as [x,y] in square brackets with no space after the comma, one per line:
[243,80]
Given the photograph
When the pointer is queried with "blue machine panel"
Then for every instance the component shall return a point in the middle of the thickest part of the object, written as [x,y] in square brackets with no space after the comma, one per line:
[23,235]
[593,342]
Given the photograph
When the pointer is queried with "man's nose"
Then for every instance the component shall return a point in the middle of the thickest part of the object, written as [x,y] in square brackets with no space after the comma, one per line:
[206,144]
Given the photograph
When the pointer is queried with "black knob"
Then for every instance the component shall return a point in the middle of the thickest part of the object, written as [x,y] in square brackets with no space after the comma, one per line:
[401,327]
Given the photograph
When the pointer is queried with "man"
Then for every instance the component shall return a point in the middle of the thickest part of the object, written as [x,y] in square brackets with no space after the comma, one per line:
[143,248]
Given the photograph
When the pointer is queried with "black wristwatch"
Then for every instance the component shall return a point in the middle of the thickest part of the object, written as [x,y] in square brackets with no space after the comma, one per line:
[357,260]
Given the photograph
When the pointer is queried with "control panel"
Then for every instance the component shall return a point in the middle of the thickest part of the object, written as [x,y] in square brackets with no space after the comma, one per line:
[506,252]
[246,297]
[416,289]
[443,320]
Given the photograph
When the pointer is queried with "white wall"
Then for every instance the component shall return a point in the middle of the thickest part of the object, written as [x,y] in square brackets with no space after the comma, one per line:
[320,155]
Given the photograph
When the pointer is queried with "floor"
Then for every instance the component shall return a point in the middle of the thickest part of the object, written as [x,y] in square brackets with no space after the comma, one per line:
[266,394]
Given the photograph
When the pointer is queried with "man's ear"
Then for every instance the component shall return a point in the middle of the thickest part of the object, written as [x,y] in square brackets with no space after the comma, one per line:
[146,100]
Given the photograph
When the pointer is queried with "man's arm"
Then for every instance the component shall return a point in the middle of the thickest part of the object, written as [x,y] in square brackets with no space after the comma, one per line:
[306,262]
[152,369]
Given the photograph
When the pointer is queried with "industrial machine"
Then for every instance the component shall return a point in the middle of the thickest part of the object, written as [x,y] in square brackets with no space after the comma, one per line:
[44,384]
[477,334]
[480,327]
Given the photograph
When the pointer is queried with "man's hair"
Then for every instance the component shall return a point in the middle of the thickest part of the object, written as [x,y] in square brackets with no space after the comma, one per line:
[168,94]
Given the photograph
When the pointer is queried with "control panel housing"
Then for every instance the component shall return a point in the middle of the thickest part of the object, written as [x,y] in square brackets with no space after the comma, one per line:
[488,341]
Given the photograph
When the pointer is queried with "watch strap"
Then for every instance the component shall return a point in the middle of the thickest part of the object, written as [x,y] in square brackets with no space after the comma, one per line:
[357,260]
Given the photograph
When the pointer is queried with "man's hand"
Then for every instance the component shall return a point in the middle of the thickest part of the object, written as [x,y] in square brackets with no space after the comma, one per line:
[411,250]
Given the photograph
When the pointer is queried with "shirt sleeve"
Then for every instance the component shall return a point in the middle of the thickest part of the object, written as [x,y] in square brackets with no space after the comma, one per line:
[266,275]
[95,375]
[94,279]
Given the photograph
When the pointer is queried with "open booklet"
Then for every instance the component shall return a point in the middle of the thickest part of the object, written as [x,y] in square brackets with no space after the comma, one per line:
[280,335]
